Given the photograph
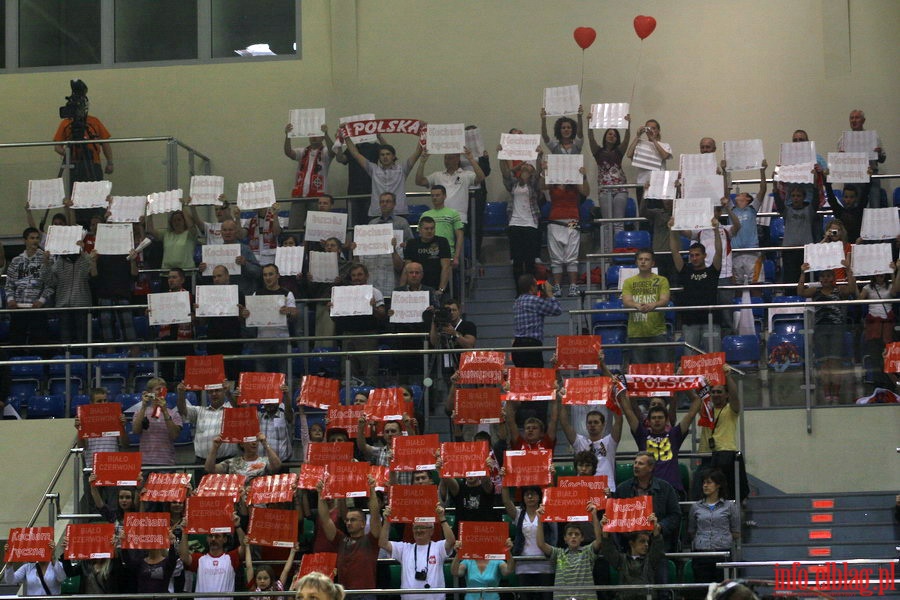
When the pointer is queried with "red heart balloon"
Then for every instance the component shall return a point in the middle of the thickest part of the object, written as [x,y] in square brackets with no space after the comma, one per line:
[644,26]
[584,37]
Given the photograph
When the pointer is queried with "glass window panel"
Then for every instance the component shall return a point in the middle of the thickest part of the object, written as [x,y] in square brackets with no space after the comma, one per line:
[155,30]
[54,33]
[2,34]
[239,24]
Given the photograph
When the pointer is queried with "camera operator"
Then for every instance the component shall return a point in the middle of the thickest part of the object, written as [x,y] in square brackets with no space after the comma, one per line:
[450,331]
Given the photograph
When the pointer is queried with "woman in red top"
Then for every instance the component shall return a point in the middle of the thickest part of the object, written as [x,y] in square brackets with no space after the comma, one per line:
[563,232]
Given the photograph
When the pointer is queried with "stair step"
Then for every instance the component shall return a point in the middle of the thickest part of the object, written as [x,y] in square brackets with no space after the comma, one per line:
[813,534]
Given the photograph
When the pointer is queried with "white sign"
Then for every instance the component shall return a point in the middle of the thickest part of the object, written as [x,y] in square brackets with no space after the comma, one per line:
[708,185]
[360,139]
[351,300]
[822,257]
[609,116]
[289,260]
[307,122]
[114,239]
[63,239]
[221,254]
[264,311]
[797,153]
[880,224]
[91,194]
[323,266]
[127,209]
[206,190]
[848,167]
[743,155]
[323,225]
[474,142]
[860,141]
[559,101]
[519,146]
[802,173]
[697,164]
[217,301]
[169,308]
[407,307]
[662,185]
[253,195]
[564,169]
[646,156]
[691,214]
[871,259]
[373,240]
[45,193]
[160,203]
[445,139]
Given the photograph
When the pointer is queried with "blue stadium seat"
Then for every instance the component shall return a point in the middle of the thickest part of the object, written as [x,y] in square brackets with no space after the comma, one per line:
[415,211]
[769,271]
[776,230]
[141,326]
[495,219]
[324,362]
[785,351]
[614,357]
[631,208]
[897,196]
[584,213]
[47,407]
[611,319]
[612,277]
[78,400]
[741,349]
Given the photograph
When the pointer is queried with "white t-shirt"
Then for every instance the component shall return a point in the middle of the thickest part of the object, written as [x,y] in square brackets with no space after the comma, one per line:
[521,207]
[605,451]
[457,185]
[413,557]
[215,574]
[705,237]
[213,233]
[529,532]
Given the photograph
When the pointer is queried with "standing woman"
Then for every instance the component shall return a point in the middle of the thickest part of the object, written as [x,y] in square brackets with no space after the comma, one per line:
[714,524]
[524,214]
[38,579]
[179,240]
[482,573]
[609,155]
[387,174]
[567,139]
[879,322]
[799,216]
[527,520]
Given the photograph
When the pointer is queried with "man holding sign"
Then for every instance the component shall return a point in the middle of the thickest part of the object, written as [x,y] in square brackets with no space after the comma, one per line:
[421,562]
[454,179]
[28,286]
[872,191]
[215,570]
[701,284]
[574,563]
[639,565]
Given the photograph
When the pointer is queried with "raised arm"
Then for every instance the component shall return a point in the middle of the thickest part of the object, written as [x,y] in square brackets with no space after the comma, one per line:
[288,150]
[546,548]
[630,416]
[544,135]
[449,537]
[414,157]
[375,522]
[476,166]
[595,147]
[421,179]
[325,521]
[354,152]
[688,418]
[717,244]
[565,420]
[675,247]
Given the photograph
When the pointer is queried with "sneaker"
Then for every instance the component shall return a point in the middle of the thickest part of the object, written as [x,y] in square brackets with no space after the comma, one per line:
[573,290]
[557,291]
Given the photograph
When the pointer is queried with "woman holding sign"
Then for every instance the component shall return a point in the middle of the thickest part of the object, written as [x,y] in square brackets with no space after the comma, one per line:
[609,155]
[481,572]
[527,520]
[179,240]
[565,133]
[37,579]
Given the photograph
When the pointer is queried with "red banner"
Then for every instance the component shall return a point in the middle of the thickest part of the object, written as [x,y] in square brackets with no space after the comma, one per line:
[527,383]
[209,514]
[322,453]
[483,540]
[29,544]
[204,372]
[221,485]
[100,420]
[319,392]
[272,527]
[346,480]
[166,487]
[578,352]
[564,505]
[381,475]
[636,389]
[310,476]
[371,127]
[90,540]
[629,514]
[415,452]
[478,405]
[319,562]
[528,467]
[481,367]
[345,417]
[273,488]
[384,404]
[413,503]
[146,531]
[587,390]
[597,484]
[892,358]
[464,459]
[707,415]
[260,388]
[240,424]
[117,468]
[710,366]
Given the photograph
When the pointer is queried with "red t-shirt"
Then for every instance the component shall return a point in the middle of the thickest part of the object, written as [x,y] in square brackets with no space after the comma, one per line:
[545,443]
[356,560]
[564,203]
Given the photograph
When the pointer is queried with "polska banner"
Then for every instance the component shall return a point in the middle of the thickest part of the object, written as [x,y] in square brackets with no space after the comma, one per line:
[376,126]
[711,366]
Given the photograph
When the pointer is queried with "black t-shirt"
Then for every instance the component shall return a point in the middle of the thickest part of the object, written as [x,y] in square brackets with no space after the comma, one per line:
[474,504]
[700,289]
[429,254]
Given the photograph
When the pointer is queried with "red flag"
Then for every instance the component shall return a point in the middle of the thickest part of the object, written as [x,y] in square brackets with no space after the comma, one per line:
[166,487]
[272,527]
[587,390]
[482,540]
[710,366]
[319,562]
[578,352]
[629,514]
[29,544]
[209,514]
[527,467]
[146,531]
[384,404]
[481,367]
[319,392]
[89,540]
[527,383]
[415,452]
[117,468]
[271,489]
[221,485]
[464,459]
[260,388]
[240,424]
[100,420]
[478,405]
[347,480]
[413,503]
[322,453]
[204,372]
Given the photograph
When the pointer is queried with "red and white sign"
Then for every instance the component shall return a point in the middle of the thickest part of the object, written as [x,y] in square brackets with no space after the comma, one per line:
[260,388]
[29,544]
[345,417]
[90,540]
[272,527]
[578,352]
[100,420]
[415,452]
[381,475]
[346,480]
[166,487]
[587,390]
[629,514]
[310,476]
[413,503]
[710,366]
[221,485]
[565,505]
[892,358]
[384,404]
[478,405]
[375,126]
[146,531]
[464,459]
[117,468]
[318,562]
[204,372]
[597,484]
[319,392]
[210,514]
[483,540]
[644,387]
[528,383]
[481,367]
[273,488]
[322,453]
[240,424]
[527,467]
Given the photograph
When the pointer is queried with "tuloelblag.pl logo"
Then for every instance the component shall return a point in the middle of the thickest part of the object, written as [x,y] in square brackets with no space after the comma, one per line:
[835,579]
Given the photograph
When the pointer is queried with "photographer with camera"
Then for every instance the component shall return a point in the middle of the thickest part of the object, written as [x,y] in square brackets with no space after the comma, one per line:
[76,124]
[450,331]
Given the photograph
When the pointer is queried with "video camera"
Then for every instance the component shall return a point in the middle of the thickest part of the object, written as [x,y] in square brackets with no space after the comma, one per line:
[76,106]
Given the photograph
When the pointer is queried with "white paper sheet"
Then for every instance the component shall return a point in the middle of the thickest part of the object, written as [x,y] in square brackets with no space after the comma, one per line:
[114,239]
[564,100]
[264,311]
[445,138]
[822,257]
[848,167]
[91,194]
[253,195]
[871,259]
[127,209]
[307,122]
[743,155]
[797,153]
[564,169]
[221,254]
[691,214]
[206,190]
[217,300]
[323,266]
[708,185]
[160,203]
[519,146]
[646,156]
[360,139]
[323,225]
[289,260]
[697,164]
[860,141]
[373,240]
[408,306]
[45,193]
[169,308]
[880,224]
[63,239]
[474,142]
[802,173]
[609,115]
[351,300]
[662,185]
